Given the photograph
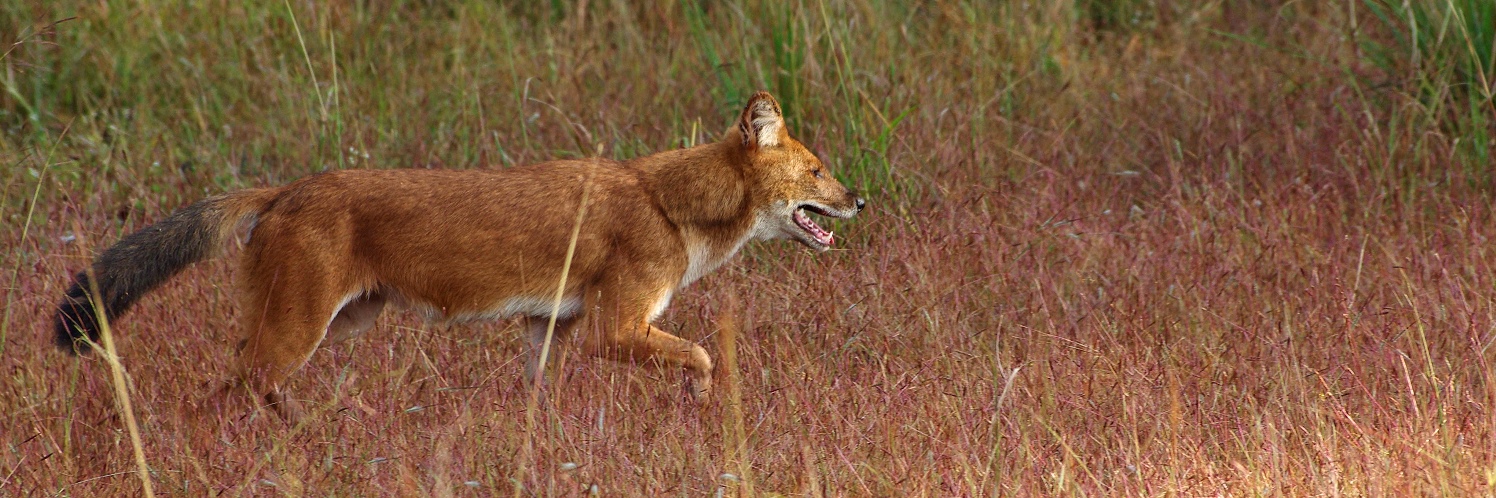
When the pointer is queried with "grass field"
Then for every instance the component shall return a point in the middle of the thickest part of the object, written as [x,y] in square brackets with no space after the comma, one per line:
[1114,247]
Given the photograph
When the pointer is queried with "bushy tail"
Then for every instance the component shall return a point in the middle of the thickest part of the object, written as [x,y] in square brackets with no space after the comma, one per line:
[144,260]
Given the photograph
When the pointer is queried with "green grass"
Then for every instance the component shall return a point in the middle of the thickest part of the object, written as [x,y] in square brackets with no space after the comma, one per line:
[1444,53]
[1227,249]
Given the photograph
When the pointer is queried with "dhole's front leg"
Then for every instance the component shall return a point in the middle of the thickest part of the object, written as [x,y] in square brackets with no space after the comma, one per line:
[641,342]
[625,334]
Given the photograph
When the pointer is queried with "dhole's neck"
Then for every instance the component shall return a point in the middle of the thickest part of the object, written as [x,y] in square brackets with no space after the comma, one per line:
[704,192]
[701,188]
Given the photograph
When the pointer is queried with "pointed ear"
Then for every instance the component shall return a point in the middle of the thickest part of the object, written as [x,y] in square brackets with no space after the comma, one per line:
[761,125]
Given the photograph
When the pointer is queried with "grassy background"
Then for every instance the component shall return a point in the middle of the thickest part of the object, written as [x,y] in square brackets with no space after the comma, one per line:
[1116,247]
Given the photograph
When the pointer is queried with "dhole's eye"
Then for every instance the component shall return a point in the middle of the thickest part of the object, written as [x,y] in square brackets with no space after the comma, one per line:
[818,172]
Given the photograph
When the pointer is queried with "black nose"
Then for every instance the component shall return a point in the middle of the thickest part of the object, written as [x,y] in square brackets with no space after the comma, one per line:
[860,203]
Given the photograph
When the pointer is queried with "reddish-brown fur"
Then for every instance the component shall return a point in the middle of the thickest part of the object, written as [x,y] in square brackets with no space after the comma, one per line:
[326,253]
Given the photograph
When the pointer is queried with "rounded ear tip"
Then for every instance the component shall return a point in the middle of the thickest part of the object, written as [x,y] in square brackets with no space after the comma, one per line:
[762,122]
[762,105]
[762,95]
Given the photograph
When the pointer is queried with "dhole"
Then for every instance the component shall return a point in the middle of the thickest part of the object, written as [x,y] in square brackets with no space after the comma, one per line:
[325,254]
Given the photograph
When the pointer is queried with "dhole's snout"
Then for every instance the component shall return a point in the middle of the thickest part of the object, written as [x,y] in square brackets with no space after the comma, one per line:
[851,205]
[808,232]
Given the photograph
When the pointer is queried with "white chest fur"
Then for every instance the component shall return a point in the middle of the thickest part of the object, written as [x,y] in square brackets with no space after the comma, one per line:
[705,255]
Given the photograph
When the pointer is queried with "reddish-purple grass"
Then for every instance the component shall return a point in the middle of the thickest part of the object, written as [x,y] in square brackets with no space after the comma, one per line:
[1208,264]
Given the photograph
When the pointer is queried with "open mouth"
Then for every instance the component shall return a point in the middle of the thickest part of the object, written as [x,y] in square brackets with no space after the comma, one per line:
[820,235]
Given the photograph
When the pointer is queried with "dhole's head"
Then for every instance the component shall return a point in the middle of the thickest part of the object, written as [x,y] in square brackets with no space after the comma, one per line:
[786,180]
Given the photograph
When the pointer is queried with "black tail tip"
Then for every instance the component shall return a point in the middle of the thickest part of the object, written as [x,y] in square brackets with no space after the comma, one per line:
[77,323]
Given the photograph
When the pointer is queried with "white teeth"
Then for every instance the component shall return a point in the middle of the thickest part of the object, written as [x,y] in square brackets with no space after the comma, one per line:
[815,231]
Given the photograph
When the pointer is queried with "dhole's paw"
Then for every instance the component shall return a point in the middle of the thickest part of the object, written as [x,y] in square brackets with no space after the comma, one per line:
[288,408]
[231,399]
[220,403]
[699,387]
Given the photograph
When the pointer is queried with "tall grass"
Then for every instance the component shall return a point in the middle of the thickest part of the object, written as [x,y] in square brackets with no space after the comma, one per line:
[1232,248]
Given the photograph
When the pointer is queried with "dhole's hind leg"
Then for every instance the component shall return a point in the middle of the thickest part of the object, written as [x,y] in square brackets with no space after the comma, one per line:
[282,330]
[355,318]
[535,332]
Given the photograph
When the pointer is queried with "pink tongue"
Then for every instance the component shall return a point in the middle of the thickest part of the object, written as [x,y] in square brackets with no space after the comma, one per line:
[821,235]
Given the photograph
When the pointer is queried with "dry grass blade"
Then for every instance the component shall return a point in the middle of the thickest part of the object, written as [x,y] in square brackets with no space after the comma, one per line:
[121,392]
[735,440]
[527,457]
[46,164]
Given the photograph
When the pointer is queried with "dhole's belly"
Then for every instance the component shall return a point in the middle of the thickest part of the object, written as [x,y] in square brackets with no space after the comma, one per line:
[511,307]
